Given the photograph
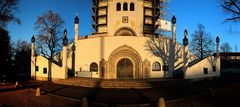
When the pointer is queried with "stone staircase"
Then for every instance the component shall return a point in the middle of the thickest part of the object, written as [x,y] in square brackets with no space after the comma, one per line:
[84,82]
[122,84]
[89,82]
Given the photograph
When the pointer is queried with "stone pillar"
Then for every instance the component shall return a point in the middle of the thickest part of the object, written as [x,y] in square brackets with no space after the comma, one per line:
[172,48]
[218,54]
[76,21]
[64,54]
[185,53]
[33,58]
[174,20]
[161,102]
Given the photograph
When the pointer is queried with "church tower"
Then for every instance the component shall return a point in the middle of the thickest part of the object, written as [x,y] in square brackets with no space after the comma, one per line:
[125,17]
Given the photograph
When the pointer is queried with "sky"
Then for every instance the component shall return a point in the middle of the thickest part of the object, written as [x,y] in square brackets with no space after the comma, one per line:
[189,14]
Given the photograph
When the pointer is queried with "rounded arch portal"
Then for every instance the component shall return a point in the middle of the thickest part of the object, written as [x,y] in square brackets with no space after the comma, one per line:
[130,55]
[125,68]
[125,31]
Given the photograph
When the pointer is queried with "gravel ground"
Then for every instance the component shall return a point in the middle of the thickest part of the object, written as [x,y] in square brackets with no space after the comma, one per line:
[223,97]
[196,94]
[27,98]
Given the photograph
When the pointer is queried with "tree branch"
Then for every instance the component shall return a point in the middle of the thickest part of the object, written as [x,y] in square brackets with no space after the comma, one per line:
[230,10]
[234,18]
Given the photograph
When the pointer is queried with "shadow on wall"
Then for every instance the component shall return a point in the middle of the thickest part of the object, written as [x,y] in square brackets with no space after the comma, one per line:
[160,47]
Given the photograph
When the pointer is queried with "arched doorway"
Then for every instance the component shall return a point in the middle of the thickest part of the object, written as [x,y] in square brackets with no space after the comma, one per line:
[116,57]
[125,69]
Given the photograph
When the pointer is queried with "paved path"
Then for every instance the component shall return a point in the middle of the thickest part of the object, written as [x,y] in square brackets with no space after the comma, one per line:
[130,96]
[175,93]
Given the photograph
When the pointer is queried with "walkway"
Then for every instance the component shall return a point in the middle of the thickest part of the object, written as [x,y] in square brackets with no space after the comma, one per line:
[174,92]
[168,89]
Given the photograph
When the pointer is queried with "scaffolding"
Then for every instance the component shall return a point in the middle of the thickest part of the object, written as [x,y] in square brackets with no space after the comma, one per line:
[157,8]
[98,8]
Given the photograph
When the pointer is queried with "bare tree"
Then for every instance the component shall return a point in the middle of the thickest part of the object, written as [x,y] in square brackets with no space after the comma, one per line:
[49,27]
[236,48]
[5,55]
[201,45]
[7,9]
[232,9]
[22,58]
[225,47]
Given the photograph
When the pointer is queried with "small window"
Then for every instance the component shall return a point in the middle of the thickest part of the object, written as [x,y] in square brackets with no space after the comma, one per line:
[124,19]
[132,7]
[125,7]
[214,68]
[156,66]
[165,67]
[205,70]
[93,67]
[44,70]
[118,8]
[36,68]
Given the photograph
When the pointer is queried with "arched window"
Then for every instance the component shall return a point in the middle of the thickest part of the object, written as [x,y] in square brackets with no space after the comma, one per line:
[93,67]
[132,7]
[125,6]
[118,8]
[156,66]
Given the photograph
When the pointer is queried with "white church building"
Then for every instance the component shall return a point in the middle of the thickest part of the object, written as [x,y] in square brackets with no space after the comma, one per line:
[124,46]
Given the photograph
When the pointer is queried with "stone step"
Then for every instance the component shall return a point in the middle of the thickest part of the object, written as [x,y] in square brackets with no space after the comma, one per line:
[86,82]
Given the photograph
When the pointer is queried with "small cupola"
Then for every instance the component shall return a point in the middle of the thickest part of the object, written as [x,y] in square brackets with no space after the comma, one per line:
[65,40]
[33,39]
[217,39]
[174,20]
[76,20]
[185,39]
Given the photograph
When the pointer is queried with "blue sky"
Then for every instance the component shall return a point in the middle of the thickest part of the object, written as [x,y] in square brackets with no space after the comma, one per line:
[188,12]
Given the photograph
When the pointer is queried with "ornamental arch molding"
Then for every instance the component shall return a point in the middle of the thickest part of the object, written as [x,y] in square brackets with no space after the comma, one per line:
[125,31]
[125,52]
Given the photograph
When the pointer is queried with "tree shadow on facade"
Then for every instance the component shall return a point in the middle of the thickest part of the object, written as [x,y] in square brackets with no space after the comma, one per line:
[161,47]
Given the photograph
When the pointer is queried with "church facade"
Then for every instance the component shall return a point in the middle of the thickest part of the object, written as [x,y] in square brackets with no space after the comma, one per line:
[124,46]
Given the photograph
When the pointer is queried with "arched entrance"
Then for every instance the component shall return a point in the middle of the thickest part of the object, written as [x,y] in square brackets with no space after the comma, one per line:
[117,60]
[125,69]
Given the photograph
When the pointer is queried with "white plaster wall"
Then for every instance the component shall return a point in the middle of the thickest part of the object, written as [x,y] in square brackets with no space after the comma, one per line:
[57,71]
[94,49]
[41,62]
[157,74]
[196,71]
